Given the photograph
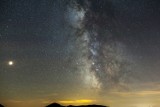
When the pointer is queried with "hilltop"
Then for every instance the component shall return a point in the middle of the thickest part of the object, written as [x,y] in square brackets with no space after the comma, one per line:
[58,105]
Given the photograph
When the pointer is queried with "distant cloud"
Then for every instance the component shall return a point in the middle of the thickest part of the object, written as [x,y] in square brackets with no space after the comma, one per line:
[137,93]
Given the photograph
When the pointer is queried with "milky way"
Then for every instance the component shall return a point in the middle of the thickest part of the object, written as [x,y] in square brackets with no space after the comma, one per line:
[101,61]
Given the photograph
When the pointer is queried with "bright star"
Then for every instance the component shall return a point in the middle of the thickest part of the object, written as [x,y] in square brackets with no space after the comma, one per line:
[10,63]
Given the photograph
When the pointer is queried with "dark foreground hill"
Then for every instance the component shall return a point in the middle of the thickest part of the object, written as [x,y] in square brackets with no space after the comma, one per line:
[88,106]
[55,105]
[58,105]
[1,105]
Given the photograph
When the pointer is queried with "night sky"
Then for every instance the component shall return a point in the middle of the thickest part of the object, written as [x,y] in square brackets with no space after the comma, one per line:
[80,52]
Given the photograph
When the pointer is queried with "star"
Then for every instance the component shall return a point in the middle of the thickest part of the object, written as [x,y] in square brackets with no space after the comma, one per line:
[10,63]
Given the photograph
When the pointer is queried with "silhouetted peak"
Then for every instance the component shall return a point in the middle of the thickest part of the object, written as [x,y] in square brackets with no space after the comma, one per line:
[54,105]
[1,105]
[70,106]
[58,105]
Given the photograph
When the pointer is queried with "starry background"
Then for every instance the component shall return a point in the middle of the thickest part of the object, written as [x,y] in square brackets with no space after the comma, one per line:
[80,52]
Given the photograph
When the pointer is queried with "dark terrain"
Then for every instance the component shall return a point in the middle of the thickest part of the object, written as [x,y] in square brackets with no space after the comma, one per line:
[1,105]
[58,105]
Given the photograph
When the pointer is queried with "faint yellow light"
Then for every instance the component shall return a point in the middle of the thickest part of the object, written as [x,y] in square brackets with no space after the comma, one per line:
[83,101]
[66,102]
[76,101]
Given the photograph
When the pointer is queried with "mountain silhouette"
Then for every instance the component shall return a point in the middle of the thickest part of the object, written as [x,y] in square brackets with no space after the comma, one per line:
[1,105]
[55,105]
[58,105]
